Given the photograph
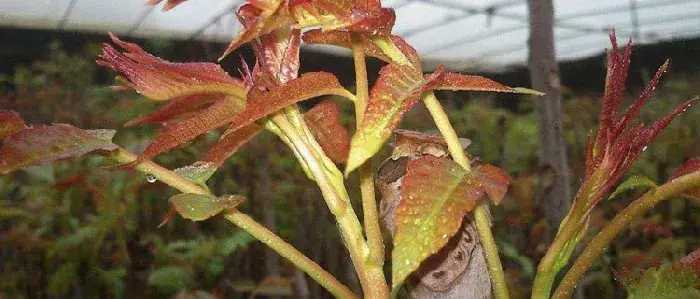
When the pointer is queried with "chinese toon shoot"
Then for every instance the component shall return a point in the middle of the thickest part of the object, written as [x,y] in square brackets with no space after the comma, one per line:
[201,96]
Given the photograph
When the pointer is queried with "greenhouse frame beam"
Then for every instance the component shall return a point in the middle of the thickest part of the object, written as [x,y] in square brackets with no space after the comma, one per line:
[621,9]
[214,19]
[66,14]
[144,14]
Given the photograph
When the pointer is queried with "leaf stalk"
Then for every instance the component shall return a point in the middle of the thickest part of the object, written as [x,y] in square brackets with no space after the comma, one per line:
[481,213]
[331,182]
[255,229]
[369,200]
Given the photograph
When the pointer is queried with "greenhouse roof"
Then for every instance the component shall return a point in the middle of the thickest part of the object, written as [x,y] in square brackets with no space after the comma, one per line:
[458,33]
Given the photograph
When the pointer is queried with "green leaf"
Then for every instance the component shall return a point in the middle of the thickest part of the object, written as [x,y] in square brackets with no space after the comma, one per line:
[78,237]
[198,172]
[238,240]
[61,280]
[6,212]
[198,207]
[396,91]
[525,262]
[170,279]
[436,193]
[670,281]
[633,182]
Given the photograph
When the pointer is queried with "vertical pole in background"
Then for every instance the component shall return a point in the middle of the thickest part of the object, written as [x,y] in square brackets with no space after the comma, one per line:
[269,217]
[634,20]
[544,75]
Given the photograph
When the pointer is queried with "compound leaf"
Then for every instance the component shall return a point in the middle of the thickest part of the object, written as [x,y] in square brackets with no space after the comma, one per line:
[162,80]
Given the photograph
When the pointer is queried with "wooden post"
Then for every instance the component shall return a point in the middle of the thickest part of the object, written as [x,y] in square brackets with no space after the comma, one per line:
[544,75]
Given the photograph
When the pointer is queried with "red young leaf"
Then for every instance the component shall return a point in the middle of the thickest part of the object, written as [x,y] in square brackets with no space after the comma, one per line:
[278,54]
[373,23]
[456,81]
[260,19]
[230,142]
[436,193]
[342,39]
[494,181]
[174,109]
[688,167]
[369,5]
[618,144]
[170,4]
[309,85]
[355,16]
[10,122]
[396,91]
[43,144]
[617,66]
[329,15]
[324,122]
[177,133]
[161,80]
[692,260]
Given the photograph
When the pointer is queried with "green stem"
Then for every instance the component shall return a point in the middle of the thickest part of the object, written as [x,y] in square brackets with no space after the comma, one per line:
[171,178]
[620,222]
[481,213]
[369,201]
[328,177]
[287,251]
[571,229]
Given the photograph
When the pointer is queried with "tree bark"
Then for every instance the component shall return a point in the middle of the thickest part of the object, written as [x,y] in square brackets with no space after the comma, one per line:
[544,75]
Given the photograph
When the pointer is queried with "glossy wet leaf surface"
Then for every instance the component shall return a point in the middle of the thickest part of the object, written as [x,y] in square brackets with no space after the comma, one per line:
[437,193]
[198,207]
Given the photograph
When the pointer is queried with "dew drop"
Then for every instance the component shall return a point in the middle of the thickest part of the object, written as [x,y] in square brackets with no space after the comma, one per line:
[645,148]
[150,178]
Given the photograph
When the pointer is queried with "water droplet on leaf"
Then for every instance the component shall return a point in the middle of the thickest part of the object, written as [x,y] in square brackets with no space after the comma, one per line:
[150,178]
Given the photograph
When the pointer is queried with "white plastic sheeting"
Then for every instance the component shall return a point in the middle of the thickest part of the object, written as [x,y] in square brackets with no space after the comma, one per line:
[458,33]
